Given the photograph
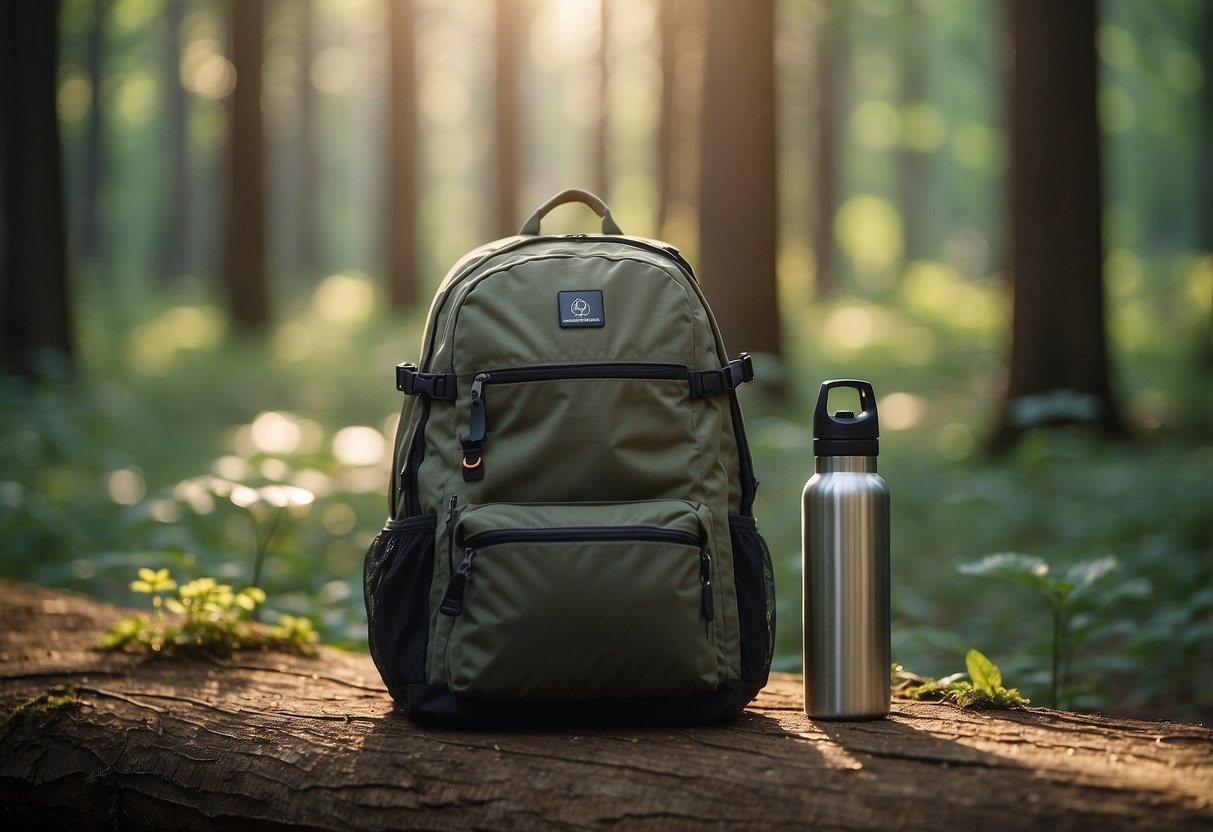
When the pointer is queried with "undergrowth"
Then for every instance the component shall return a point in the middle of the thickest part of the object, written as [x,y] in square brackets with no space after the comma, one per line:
[184,461]
[982,690]
[203,616]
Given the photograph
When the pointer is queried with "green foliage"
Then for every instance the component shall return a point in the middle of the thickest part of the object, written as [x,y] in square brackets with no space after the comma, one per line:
[168,447]
[1060,593]
[1146,638]
[1064,596]
[983,689]
[206,616]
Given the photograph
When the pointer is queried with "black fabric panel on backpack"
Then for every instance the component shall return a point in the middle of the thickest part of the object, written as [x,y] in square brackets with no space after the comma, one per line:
[416,452]
[435,705]
[397,572]
[745,461]
[754,575]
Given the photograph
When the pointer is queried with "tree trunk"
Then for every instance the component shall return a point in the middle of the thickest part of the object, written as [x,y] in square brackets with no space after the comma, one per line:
[737,183]
[681,36]
[93,134]
[913,162]
[1058,366]
[602,124]
[402,162]
[276,741]
[35,313]
[244,267]
[175,237]
[831,84]
[1206,163]
[667,31]
[308,229]
[511,37]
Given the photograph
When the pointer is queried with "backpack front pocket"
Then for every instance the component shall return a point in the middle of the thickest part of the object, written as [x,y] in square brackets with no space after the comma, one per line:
[582,601]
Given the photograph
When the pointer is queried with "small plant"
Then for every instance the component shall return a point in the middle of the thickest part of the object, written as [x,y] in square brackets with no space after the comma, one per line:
[1064,595]
[264,507]
[207,617]
[983,690]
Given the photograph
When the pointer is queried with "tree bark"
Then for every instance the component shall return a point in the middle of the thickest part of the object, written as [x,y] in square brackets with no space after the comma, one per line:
[244,267]
[1058,366]
[402,162]
[35,312]
[738,195]
[276,741]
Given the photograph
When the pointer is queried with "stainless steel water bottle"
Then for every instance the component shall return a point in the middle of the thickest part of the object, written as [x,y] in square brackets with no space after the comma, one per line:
[845,534]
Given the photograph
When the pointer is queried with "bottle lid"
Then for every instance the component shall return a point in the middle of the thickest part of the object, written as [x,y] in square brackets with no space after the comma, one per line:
[846,433]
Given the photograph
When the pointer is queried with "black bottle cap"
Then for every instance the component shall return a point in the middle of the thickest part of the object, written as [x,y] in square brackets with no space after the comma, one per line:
[846,433]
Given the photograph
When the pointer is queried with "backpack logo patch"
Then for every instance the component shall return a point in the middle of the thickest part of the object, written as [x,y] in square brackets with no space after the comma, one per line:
[581,309]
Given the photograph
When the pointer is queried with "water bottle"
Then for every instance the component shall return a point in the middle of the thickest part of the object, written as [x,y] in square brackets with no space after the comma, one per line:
[845,535]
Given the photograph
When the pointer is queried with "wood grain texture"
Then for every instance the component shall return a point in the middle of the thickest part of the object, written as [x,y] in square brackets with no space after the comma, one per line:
[274,741]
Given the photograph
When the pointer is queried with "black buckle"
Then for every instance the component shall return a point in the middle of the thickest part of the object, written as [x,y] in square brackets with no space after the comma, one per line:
[431,385]
[729,377]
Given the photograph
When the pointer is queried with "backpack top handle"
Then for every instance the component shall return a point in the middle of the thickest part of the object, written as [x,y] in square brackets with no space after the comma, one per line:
[609,226]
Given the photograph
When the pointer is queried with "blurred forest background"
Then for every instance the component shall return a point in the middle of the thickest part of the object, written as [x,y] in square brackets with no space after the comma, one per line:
[1001,213]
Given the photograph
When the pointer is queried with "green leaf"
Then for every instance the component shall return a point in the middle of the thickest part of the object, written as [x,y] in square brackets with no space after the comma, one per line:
[1028,570]
[1082,575]
[254,592]
[983,672]
[1010,566]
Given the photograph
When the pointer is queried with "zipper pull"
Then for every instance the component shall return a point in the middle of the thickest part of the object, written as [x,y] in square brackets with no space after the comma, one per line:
[478,428]
[473,459]
[452,600]
[705,576]
[450,534]
[473,450]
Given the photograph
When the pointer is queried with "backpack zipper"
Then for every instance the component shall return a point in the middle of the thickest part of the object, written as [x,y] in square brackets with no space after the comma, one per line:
[473,451]
[581,534]
[452,599]
[561,372]
[450,534]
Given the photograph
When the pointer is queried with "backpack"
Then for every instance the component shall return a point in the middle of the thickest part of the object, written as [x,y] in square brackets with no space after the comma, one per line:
[571,535]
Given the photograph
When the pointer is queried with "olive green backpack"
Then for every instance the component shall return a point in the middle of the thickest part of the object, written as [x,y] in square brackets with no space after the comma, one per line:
[571,535]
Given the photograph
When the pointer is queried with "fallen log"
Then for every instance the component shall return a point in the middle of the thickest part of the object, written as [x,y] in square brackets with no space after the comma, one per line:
[278,741]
